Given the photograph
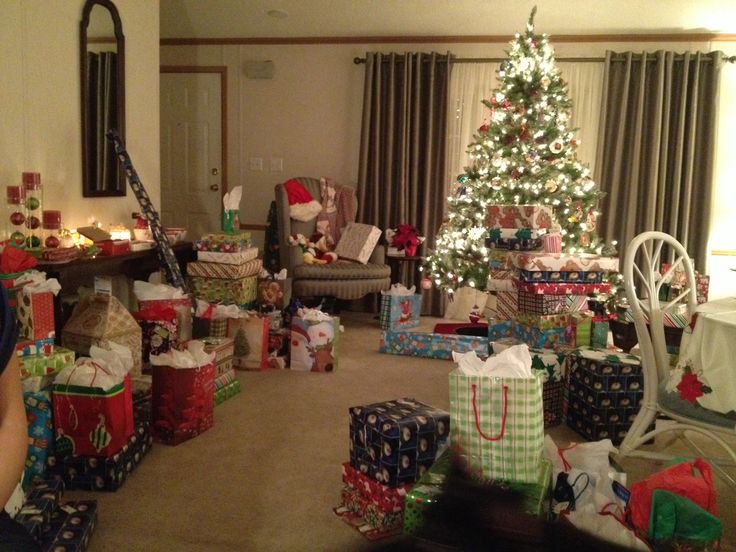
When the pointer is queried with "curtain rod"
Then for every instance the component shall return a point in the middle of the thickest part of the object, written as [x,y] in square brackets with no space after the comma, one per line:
[726,59]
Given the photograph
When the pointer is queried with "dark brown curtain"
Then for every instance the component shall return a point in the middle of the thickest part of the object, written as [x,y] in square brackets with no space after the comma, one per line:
[403,146]
[656,146]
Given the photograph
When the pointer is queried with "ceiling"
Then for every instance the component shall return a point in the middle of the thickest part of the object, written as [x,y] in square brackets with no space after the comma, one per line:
[374,18]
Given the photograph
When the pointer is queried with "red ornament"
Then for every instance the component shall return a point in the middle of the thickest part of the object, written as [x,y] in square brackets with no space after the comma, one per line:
[515,174]
[690,387]
[426,283]
[17,218]
[33,222]
[52,242]
[505,104]
[483,128]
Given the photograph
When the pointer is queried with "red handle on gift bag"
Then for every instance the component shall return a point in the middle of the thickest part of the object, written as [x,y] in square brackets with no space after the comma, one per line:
[503,419]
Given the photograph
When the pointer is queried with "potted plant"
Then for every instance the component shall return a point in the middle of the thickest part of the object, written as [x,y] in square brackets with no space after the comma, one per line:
[404,239]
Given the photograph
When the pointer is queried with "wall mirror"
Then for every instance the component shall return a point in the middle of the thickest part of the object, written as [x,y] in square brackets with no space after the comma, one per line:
[102,69]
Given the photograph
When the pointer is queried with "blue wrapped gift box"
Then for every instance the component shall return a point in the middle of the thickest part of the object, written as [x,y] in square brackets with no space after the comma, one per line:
[395,442]
[431,345]
[571,277]
[40,433]
[71,527]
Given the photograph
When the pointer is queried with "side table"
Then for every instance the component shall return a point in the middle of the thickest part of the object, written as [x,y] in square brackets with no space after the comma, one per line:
[405,270]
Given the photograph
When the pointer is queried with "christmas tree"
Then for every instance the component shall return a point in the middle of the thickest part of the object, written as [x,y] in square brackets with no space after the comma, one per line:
[523,155]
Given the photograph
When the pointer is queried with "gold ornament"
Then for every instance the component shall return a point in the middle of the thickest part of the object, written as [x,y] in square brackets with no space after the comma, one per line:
[551,185]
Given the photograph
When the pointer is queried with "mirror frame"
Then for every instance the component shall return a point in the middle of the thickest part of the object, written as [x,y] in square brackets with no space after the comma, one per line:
[87,189]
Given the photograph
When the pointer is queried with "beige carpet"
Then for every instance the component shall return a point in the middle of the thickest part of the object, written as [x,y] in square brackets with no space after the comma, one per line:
[266,476]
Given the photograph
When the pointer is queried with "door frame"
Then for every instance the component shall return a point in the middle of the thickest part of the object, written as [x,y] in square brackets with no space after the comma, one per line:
[222,71]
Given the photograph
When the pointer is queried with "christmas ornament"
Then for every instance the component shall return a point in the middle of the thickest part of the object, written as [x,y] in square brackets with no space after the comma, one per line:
[497,160]
[545,82]
[556,146]
[33,222]
[33,203]
[18,238]
[33,241]
[426,283]
[585,239]
[100,437]
[17,218]
[483,128]
[531,156]
[550,185]
[496,183]
[52,242]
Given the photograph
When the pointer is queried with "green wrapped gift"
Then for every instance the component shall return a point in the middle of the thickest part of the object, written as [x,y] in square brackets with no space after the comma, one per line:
[544,321]
[40,365]
[583,324]
[227,392]
[224,243]
[219,290]
[429,488]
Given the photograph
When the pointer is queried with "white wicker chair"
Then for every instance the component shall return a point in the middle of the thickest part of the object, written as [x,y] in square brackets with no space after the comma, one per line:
[641,272]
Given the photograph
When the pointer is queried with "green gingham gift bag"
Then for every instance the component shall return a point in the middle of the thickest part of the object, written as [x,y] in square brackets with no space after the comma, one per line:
[498,422]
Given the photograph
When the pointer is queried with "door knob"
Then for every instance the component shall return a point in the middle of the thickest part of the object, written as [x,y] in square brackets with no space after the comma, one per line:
[214,187]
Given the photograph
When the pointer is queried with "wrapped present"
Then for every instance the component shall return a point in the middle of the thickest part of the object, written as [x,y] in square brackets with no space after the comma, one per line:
[535,303]
[236,257]
[274,294]
[395,442]
[160,329]
[544,321]
[539,338]
[92,473]
[46,365]
[35,514]
[315,341]
[564,276]
[152,296]
[516,233]
[563,262]
[224,350]
[507,305]
[183,393]
[552,243]
[430,487]
[513,244]
[220,242]
[503,343]
[576,303]
[431,345]
[98,319]
[40,433]
[519,216]
[500,280]
[227,271]
[702,283]
[71,527]
[93,405]
[35,310]
[242,291]
[599,332]
[43,347]
[595,424]
[357,242]
[582,327]
[552,288]
[498,259]
[400,312]
[227,392]
[500,330]
[250,341]
[224,379]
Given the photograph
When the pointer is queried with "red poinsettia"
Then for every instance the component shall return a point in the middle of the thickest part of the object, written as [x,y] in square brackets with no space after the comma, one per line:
[406,235]
[690,387]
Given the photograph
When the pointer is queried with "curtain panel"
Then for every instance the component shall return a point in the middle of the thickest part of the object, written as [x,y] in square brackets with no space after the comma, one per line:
[656,146]
[402,165]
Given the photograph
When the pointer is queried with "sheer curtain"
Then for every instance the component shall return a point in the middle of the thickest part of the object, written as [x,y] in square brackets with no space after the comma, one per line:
[472,82]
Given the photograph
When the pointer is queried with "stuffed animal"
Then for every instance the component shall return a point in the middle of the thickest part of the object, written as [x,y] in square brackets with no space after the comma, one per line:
[316,250]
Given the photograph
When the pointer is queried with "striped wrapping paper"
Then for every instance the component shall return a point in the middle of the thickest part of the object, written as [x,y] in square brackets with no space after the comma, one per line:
[670,319]
[576,303]
[225,270]
[238,257]
[500,280]
[507,305]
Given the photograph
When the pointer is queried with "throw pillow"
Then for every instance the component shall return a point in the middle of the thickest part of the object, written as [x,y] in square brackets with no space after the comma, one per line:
[357,242]
[302,206]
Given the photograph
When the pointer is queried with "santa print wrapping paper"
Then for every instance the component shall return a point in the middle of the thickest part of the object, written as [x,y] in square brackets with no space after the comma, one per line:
[519,216]
[159,328]
[400,312]
[314,344]
[90,421]
[225,270]
[183,402]
[561,262]
[250,339]
[35,313]
[561,288]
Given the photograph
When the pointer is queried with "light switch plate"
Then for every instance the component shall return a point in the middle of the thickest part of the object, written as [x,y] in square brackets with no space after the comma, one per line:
[255,163]
[277,164]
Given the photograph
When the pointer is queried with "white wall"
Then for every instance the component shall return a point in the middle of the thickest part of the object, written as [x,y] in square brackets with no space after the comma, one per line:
[40,99]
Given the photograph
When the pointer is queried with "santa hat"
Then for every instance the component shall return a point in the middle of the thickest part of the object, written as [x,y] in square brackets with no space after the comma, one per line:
[302,206]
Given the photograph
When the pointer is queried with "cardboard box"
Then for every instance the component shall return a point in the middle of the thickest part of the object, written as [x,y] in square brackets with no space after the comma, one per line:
[101,318]
[395,442]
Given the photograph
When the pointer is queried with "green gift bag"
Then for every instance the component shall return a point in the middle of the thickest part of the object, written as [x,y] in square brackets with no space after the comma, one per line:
[678,523]
[498,425]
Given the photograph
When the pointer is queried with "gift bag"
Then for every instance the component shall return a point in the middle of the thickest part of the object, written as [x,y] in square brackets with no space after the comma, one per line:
[498,425]
[400,309]
[250,335]
[210,320]
[150,295]
[183,393]
[160,329]
[274,294]
[314,341]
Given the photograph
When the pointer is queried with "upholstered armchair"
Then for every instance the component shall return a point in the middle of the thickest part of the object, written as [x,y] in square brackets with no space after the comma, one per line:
[341,279]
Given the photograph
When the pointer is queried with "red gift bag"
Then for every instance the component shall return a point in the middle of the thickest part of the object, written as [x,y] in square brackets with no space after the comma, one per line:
[90,421]
[183,402]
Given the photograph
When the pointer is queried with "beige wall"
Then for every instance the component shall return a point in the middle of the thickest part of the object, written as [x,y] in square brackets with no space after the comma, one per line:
[40,99]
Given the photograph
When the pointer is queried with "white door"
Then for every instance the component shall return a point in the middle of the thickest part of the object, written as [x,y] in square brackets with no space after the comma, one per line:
[191,152]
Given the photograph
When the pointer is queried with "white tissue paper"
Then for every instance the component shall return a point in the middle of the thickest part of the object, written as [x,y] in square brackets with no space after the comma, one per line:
[30,277]
[231,199]
[104,368]
[266,275]
[145,291]
[399,289]
[52,285]
[213,311]
[514,362]
[193,356]
[313,315]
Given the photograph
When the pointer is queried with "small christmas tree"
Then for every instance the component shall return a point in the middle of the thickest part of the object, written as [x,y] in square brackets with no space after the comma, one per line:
[524,155]
[240,342]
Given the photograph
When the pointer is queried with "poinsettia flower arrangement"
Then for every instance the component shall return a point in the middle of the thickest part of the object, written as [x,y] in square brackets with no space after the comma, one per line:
[404,237]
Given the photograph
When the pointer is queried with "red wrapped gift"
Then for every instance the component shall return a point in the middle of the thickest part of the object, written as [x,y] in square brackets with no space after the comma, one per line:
[183,402]
[36,314]
[549,288]
[386,499]
[183,308]
[90,421]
